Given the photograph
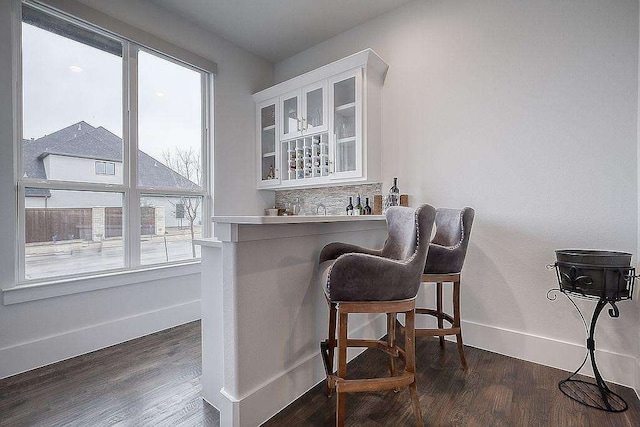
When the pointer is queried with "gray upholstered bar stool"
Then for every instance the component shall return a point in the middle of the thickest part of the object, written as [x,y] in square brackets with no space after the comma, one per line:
[360,280]
[447,252]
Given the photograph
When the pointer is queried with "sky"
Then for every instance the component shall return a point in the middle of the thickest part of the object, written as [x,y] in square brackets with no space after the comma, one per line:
[65,82]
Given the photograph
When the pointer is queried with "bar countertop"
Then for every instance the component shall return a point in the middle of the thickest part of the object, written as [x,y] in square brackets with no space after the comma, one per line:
[293,219]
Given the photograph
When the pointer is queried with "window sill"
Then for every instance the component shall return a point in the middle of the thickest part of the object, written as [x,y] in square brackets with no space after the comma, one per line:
[57,288]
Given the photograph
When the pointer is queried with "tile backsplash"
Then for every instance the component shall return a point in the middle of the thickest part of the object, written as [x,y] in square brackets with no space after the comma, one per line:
[335,199]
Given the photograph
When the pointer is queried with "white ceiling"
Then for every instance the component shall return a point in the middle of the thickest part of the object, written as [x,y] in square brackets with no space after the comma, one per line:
[278,29]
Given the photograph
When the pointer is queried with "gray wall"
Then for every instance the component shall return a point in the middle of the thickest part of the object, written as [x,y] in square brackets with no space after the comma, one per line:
[40,332]
[527,111]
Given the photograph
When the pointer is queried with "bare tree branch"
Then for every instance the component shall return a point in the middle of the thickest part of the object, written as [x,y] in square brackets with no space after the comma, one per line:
[186,162]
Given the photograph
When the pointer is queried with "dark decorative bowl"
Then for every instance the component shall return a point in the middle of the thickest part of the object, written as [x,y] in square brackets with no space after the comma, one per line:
[594,273]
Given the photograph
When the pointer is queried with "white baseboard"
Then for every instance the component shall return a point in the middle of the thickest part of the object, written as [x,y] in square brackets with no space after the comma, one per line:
[269,398]
[546,351]
[34,354]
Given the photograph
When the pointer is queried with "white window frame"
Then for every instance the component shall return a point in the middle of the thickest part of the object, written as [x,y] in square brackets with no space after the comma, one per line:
[104,167]
[106,170]
[129,188]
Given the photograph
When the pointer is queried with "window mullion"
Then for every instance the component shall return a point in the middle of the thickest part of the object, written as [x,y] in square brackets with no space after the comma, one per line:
[171,191]
[132,194]
[207,158]
[18,169]
[21,235]
[71,185]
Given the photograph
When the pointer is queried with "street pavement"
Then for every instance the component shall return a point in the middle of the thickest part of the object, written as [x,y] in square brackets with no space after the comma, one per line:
[94,259]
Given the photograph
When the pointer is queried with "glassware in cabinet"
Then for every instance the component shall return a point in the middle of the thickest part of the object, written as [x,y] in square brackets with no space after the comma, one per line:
[268,155]
[314,114]
[291,122]
[346,130]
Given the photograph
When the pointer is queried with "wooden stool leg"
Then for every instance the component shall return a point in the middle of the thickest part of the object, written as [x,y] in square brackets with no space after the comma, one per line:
[342,367]
[456,322]
[391,341]
[439,310]
[331,341]
[410,350]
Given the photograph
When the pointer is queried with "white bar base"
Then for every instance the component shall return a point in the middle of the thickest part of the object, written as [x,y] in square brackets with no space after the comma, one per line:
[264,313]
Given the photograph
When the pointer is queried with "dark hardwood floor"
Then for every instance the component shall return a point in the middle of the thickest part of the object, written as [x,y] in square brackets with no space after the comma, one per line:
[150,381]
[155,381]
[495,390]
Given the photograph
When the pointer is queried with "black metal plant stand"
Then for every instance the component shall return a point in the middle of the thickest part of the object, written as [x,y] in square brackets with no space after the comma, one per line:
[595,395]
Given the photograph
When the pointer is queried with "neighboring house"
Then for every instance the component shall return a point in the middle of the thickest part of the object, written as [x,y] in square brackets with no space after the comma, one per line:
[83,153]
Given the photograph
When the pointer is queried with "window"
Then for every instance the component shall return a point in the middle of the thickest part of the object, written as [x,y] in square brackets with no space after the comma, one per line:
[114,134]
[179,210]
[105,168]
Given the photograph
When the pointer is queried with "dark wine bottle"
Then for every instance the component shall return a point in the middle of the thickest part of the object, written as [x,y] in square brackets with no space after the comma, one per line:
[367,208]
[350,206]
[358,210]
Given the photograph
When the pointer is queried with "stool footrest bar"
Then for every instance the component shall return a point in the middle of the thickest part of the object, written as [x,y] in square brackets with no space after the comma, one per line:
[435,313]
[374,384]
[436,332]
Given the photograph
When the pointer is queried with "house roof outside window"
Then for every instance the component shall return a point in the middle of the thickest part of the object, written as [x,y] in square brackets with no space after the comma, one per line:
[82,140]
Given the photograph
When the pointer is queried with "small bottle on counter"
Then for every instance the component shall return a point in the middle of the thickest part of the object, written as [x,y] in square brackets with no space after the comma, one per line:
[367,208]
[394,194]
[358,210]
[350,206]
[295,207]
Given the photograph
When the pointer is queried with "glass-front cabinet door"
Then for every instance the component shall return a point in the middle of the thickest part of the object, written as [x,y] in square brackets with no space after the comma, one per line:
[314,101]
[346,109]
[291,126]
[269,173]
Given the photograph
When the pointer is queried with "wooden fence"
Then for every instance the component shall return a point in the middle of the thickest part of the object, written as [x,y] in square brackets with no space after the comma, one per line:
[46,225]
[113,221]
[55,224]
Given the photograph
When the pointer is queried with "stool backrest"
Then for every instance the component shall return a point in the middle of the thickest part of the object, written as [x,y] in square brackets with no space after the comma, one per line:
[402,233]
[448,227]
[409,231]
[393,273]
[453,226]
[449,245]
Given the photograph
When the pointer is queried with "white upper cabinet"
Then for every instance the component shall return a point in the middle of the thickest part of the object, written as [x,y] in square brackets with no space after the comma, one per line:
[268,147]
[346,138]
[314,105]
[323,127]
[304,111]
[291,116]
